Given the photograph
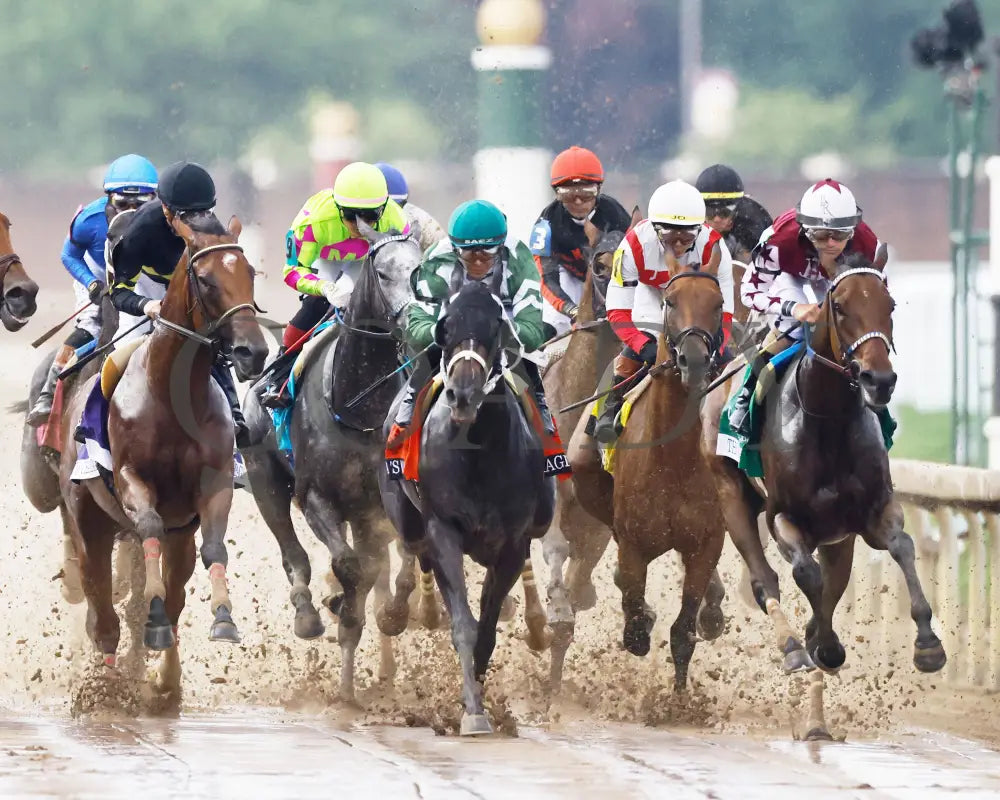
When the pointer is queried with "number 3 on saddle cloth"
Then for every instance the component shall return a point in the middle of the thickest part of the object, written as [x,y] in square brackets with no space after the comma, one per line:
[746,451]
[93,445]
[403,462]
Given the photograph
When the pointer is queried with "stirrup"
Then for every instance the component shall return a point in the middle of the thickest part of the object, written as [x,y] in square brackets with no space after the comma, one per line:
[274,397]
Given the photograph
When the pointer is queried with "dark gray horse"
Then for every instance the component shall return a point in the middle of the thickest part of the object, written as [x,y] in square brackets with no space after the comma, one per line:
[339,449]
[481,491]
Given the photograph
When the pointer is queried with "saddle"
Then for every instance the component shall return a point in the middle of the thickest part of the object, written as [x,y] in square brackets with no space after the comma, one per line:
[597,408]
[114,365]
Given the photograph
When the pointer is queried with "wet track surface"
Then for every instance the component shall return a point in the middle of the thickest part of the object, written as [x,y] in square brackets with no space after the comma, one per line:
[266,754]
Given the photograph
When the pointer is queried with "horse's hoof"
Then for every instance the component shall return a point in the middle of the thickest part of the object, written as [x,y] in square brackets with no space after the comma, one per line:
[308,625]
[635,637]
[539,639]
[391,622]
[72,594]
[224,629]
[583,597]
[475,725]
[819,735]
[829,657]
[507,609]
[158,637]
[796,658]
[711,622]
[930,657]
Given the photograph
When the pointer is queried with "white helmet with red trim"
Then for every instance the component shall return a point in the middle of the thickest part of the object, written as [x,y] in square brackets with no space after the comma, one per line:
[829,205]
[678,204]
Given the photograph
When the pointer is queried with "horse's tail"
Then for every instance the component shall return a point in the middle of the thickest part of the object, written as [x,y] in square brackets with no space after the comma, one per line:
[19,407]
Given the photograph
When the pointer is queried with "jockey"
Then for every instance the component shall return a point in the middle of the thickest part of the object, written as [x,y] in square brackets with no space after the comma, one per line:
[674,234]
[739,218]
[324,251]
[431,231]
[477,249]
[558,240]
[801,249]
[129,182]
[150,247]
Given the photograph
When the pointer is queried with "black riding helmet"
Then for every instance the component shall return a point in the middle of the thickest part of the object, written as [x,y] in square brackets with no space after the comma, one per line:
[720,184]
[186,186]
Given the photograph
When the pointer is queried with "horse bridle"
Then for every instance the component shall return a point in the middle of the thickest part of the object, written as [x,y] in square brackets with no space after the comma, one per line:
[370,264]
[6,262]
[675,342]
[211,334]
[843,367]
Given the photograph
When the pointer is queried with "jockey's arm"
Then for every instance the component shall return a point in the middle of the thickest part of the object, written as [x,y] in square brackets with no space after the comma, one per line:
[86,235]
[724,271]
[527,298]
[72,259]
[755,290]
[548,268]
[621,298]
[429,292]
[127,261]
[299,257]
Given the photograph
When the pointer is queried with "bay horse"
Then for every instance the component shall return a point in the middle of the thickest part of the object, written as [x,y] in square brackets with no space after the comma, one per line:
[17,291]
[482,490]
[171,440]
[662,496]
[577,540]
[827,476]
[338,452]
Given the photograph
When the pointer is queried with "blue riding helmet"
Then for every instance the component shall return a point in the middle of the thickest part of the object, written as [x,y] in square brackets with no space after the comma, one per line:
[398,188]
[131,174]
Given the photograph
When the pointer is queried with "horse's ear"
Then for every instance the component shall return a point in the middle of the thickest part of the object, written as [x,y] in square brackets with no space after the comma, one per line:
[636,218]
[368,231]
[881,257]
[235,226]
[592,232]
[182,229]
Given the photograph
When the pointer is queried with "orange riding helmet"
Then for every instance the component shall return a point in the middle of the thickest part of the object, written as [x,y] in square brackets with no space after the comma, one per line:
[577,164]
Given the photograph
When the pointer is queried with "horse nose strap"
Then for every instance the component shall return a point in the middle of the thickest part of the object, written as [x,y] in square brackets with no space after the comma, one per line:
[867,338]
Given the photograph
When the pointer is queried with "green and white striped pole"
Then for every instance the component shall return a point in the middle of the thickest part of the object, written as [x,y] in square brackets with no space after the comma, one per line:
[512,162]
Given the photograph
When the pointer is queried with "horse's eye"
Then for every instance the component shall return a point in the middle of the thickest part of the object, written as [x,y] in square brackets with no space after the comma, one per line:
[381,275]
[837,309]
[668,302]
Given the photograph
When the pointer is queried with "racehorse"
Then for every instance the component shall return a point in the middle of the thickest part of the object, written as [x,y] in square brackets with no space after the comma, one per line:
[17,290]
[827,476]
[338,451]
[482,490]
[171,442]
[663,495]
[576,536]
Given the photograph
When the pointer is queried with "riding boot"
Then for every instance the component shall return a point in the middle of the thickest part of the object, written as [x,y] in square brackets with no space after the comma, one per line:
[40,411]
[274,393]
[739,413]
[606,427]
[224,378]
[538,388]
[423,371]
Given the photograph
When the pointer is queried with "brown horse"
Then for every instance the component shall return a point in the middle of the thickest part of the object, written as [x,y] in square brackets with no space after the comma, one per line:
[171,441]
[17,290]
[663,495]
[827,476]
[575,535]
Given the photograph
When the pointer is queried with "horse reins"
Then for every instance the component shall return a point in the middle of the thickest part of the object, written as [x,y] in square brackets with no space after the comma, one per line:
[208,340]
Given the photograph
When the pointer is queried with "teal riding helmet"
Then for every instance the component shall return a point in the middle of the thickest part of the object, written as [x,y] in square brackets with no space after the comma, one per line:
[477,223]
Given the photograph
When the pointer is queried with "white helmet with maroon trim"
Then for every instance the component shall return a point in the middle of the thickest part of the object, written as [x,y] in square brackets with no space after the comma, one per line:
[829,205]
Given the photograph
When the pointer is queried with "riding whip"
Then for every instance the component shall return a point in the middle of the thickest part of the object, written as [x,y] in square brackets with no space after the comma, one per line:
[585,326]
[361,396]
[55,328]
[74,368]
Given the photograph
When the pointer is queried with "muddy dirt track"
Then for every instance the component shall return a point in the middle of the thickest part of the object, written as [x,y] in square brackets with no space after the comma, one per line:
[262,719]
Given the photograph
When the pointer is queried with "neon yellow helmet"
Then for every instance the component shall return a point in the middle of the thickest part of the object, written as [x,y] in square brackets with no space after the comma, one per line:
[360,185]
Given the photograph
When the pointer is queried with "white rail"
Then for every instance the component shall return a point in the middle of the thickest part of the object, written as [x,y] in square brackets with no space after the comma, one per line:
[952,515]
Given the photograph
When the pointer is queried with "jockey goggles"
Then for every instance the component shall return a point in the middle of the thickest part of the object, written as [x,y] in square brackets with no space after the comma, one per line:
[723,210]
[578,191]
[820,235]
[669,234]
[126,202]
[369,215]
[477,250]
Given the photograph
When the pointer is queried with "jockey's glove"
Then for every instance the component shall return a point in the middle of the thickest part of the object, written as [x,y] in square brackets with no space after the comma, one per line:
[94,290]
[337,294]
[571,311]
[648,352]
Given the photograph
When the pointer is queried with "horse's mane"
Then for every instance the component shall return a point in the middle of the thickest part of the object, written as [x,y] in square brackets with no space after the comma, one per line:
[855,261]
[203,222]
[367,302]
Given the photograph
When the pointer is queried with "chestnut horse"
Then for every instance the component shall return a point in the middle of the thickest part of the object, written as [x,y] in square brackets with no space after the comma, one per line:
[662,496]
[171,440]
[827,476]
[17,290]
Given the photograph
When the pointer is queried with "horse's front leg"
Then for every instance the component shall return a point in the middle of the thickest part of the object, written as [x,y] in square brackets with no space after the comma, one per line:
[821,640]
[539,635]
[448,564]
[138,501]
[500,578]
[214,512]
[630,578]
[178,565]
[806,572]
[928,652]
